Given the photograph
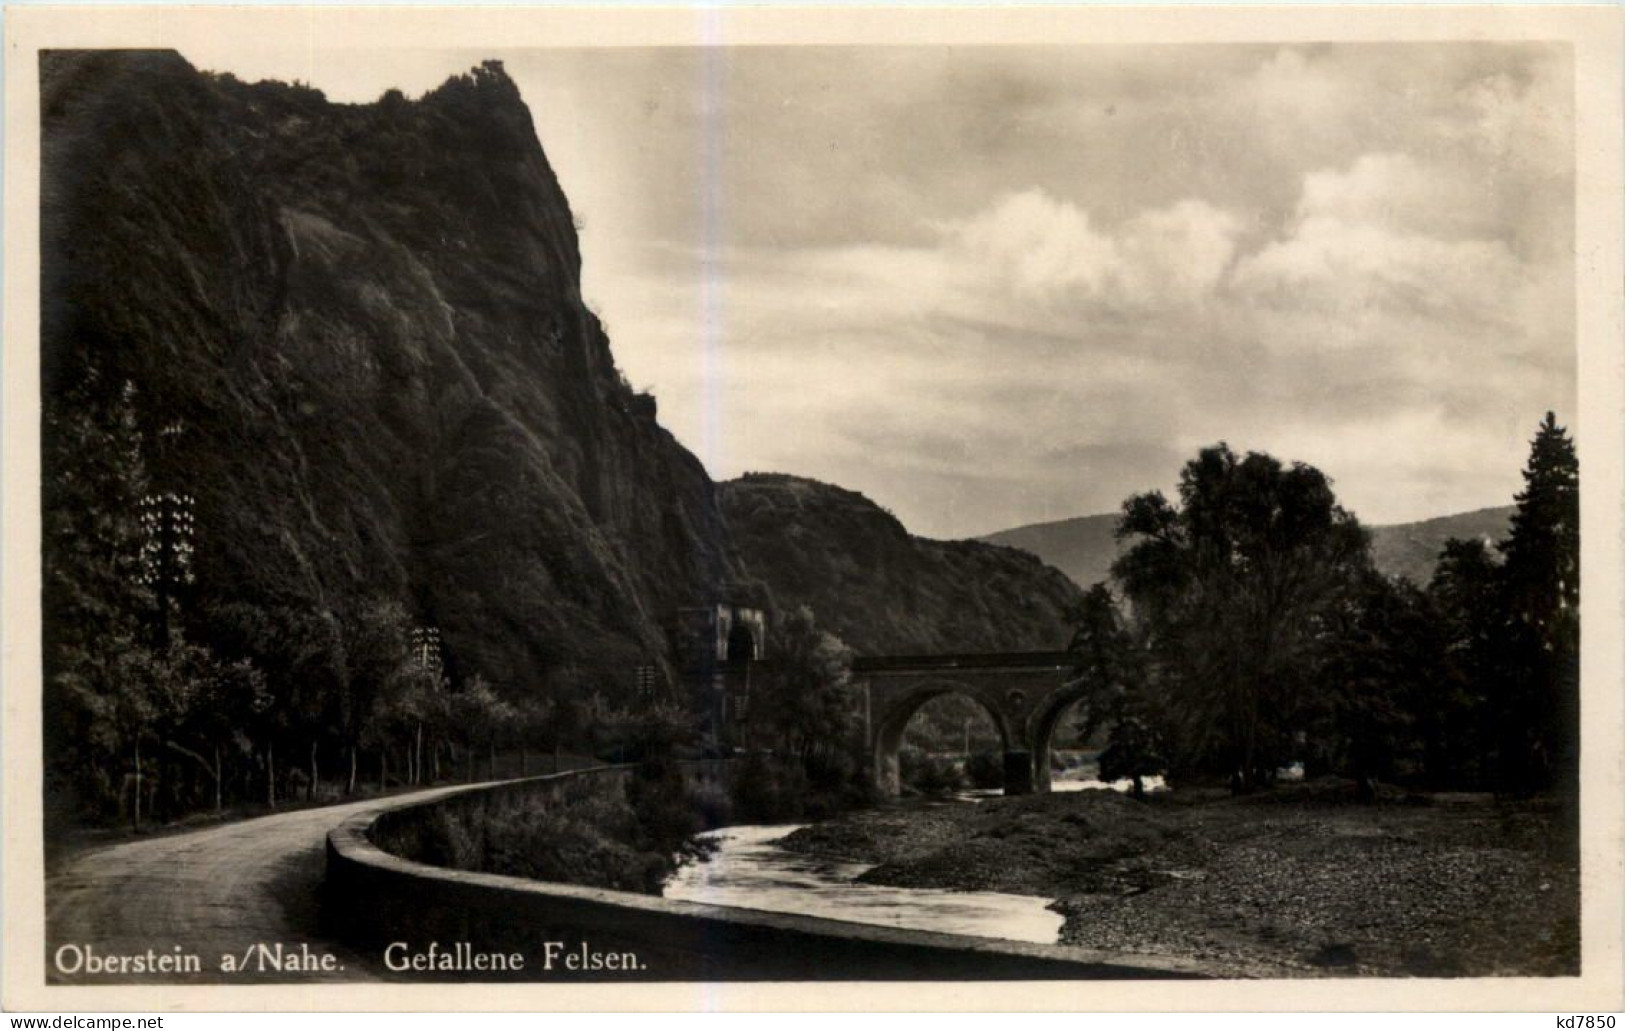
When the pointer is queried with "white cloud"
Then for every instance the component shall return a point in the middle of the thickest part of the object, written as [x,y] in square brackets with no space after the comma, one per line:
[918,272]
[1400,193]
[1043,248]
[1390,235]
[1348,268]
[1049,250]
[1177,254]
[1341,272]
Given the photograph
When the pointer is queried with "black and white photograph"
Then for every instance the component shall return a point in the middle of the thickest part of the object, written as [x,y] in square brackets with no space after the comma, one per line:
[884,508]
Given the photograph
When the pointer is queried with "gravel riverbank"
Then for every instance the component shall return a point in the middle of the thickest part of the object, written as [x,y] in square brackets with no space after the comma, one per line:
[1296,882]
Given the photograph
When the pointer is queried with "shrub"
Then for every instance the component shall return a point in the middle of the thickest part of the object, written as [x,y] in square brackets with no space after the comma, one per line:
[767,789]
[588,833]
[660,806]
[446,840]
[929,774]
[985,770]
[712,803]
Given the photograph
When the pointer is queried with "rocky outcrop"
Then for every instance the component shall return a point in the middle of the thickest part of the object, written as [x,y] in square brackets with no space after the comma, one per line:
[363,325]
[882,590]
[354,335]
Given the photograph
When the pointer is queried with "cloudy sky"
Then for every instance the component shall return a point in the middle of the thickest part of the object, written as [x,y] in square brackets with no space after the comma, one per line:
[991,286]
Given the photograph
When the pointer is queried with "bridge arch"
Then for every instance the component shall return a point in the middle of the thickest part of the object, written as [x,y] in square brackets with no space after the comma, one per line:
[1016,689]
[893,721]
[1044,721]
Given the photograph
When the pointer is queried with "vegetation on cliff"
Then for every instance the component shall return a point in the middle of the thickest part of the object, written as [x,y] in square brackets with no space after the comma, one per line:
[342,481]
[317,379]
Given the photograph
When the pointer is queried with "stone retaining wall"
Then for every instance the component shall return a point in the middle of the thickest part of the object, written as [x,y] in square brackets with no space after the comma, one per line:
[377,901]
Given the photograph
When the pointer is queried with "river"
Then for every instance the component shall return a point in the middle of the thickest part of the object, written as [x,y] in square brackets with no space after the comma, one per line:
[750,871]
[1063,782]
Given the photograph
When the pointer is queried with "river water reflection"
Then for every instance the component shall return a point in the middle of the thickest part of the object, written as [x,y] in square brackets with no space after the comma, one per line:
[750,871]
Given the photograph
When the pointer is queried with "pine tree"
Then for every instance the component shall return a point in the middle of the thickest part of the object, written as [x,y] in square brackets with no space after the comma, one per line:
[1116,695]
[1466,593]
[1539,695]
[1543,550]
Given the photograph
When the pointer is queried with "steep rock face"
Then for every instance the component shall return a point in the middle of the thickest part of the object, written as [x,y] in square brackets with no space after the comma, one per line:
[354,334]
[362,328]
[884,591]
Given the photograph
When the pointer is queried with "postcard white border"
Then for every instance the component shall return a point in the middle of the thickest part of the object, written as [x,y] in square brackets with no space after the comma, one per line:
[1594,33]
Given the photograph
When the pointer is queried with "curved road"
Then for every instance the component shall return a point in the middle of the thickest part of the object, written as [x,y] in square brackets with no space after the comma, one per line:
[217,891]
[243,889]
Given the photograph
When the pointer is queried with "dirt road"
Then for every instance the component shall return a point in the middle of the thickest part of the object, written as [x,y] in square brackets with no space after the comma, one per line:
[217,892]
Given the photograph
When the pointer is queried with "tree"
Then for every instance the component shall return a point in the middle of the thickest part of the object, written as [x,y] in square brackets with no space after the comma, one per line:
[405,699]
[1111,673]
[1131,751]
[1102,653]
[376,656]
[656,789]
[574,712]
[425,708]
[1538,697]
[1382,671]
[111,693]
[805,706]
[1465,593]
[480,716]
[531,717]
[93,595]
[140,702]
[1229,589]
[219,699]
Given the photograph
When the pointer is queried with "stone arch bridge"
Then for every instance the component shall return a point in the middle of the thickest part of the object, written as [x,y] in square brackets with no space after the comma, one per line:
[1024,693]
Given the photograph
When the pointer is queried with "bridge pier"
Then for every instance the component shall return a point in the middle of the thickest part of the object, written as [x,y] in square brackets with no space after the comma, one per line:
[1041,774]
[1018,773]
[887,774]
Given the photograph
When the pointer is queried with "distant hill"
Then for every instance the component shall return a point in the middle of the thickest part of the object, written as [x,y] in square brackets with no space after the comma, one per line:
[1411,549]
[882,590]
[1084,548]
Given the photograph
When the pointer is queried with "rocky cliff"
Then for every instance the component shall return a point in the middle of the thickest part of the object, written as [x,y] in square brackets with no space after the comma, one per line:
[355,335]
[882,590]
